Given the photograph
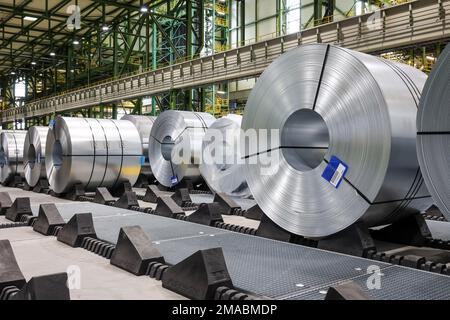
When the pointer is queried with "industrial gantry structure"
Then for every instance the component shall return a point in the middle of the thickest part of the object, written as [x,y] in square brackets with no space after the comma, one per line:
[144,57]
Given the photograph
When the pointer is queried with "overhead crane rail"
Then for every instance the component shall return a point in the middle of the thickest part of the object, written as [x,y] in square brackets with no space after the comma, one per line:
[395,27]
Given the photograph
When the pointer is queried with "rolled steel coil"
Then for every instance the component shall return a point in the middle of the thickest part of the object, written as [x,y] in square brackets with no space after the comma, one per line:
[34,155]
[91,152]
[175,145]
[11,154]
[433,138]
[345,150]
[222,166]
[144,126]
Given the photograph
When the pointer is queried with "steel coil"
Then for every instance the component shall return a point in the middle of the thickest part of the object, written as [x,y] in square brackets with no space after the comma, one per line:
[433,138]
[34,155]
[144,126]
[91,152]
[223,169]
[175,145]
[11,154]
[345,150]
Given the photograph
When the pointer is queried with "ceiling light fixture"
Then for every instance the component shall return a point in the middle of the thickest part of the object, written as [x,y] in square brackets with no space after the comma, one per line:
[28,18]
[33,63]
[52,54]
[105,28]
[144,9]
[76,42]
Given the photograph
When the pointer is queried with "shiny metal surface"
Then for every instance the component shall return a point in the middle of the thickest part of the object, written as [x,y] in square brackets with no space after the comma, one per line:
[227,174]
[144,126]
[93,152]
[433,138]
[175,134]
[34,154]
[11,154]
[326,101]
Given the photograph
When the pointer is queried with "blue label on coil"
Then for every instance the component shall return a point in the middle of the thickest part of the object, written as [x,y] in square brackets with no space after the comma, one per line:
[142,160]
[174,180]
[335,172]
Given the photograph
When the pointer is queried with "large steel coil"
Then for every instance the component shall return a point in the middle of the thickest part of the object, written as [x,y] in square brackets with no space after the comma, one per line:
[91,152]
[34,155]
[144,126]
[346,142]
[222,166]
[433,138]
[11,154]
[175,145]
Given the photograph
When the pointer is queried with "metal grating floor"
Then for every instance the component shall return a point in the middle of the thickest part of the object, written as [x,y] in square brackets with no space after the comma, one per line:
[270,268]
[397,283]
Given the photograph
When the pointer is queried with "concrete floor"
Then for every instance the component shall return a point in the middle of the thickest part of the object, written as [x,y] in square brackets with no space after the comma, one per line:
[98,279]
[4,220]
[40,255]
[36,198]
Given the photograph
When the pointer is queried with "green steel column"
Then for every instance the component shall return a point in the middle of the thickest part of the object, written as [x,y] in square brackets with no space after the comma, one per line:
[279,18]
[69,67]
[89,61]
[256,20]
[317,12]
[99,47]
[189,52]
[189,29]
[114,111]
[173,99]
[214,27]
[242,22]
[154,61]
[55,75]
[138,106]
[147,42]
[115,51]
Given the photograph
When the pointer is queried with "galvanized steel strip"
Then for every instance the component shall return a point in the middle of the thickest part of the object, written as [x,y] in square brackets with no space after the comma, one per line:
[92,152]
[433,136]
[227,176]
[11,154]
[34,154]
[329,101]
[168,133]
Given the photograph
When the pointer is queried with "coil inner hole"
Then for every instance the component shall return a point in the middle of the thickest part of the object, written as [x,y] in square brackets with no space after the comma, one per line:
[57,154]
[31,156]
[2,157]
[167,146]
[305,140]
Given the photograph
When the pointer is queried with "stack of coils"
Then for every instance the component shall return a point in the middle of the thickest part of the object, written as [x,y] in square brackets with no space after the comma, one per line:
[433,137]
[345,150]
[92,153]
[34,155]
[144,126]
[175,145]
[222,166]
[11,155]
